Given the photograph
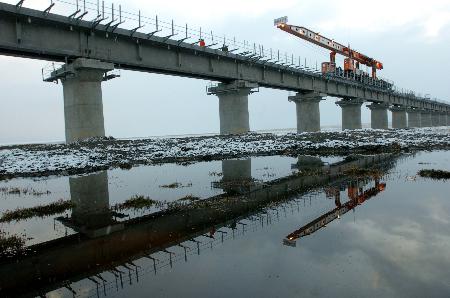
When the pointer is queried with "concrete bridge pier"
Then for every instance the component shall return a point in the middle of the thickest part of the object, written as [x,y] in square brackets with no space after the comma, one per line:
[378,115]
[83,105]
[448,119]
[414,118]
[351,113]
[233,106]
[426,118]
[308,112]
[399,117]
[435,118]
[443,119]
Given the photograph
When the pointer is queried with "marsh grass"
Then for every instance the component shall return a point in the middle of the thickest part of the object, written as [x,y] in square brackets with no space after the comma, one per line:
[172,185]
[362,172]
[136,202]
[434,174]
[38,211]
[189,198]
[11,245]
[23,191]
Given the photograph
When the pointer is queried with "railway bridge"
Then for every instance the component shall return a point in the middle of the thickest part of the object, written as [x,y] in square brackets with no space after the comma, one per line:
[92,50]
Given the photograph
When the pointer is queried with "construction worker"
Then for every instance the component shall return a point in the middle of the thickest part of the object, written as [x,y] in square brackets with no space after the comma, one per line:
[201,42]
[224,48]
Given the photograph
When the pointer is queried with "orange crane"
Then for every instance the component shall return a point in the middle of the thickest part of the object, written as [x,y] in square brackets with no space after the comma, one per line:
[357,197]
[352,60]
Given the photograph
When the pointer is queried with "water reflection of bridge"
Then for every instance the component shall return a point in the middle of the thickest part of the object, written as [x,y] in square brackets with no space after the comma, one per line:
[107,253]
[357,196]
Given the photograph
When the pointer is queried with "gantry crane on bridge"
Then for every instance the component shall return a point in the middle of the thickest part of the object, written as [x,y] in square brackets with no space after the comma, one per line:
[352,61]
[357,197]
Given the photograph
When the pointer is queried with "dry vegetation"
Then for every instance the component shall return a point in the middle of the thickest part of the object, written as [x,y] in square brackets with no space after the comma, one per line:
[435,174]
[37,211]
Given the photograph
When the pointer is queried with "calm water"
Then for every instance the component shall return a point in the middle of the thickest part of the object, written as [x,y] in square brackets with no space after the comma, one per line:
[302,236]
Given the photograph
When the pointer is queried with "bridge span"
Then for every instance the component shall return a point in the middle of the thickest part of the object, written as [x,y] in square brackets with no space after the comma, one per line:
[92,50]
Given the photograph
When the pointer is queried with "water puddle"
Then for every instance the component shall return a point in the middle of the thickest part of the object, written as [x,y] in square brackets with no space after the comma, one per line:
[267,226]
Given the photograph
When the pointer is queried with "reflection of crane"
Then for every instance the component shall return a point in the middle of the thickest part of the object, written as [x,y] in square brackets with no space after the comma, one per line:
[357,196]
[352,60]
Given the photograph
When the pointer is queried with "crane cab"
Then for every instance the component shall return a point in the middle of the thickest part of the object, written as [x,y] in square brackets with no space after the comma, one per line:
[349,65]
[328,68]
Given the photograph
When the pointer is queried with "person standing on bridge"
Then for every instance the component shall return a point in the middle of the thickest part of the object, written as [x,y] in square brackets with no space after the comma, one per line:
[224,48]
[201,42]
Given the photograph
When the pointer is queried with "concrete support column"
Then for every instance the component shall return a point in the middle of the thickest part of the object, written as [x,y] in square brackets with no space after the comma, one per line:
[448,119]
[308,111]
[443,119]
[351,113]
[398,117]
[414,118]
[426,119]
[379,115]
[233,106]
[435,118]
[83,105]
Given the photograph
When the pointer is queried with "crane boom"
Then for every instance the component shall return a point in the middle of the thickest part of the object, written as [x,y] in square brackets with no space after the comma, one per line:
[320,222]
[329,44]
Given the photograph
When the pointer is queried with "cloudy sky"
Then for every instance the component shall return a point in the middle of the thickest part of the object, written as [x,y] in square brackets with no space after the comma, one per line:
[411,38]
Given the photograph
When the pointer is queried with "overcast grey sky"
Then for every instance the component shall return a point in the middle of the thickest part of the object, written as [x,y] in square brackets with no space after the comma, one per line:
[411,38]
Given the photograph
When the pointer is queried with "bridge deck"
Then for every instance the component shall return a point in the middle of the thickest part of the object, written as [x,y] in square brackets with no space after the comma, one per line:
[34,34]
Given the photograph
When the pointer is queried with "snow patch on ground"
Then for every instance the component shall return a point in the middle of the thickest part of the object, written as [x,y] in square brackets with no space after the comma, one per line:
[108,152]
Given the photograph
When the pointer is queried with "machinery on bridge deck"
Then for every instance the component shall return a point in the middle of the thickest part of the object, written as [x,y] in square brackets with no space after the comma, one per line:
[352,61]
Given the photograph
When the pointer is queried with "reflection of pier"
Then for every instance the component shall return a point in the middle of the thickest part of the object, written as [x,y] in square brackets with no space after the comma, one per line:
[307,162]
[120,252]
[357,197]
[91,215]
[237,177]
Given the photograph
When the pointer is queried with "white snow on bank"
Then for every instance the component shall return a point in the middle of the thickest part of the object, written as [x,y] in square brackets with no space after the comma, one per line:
[57,157]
